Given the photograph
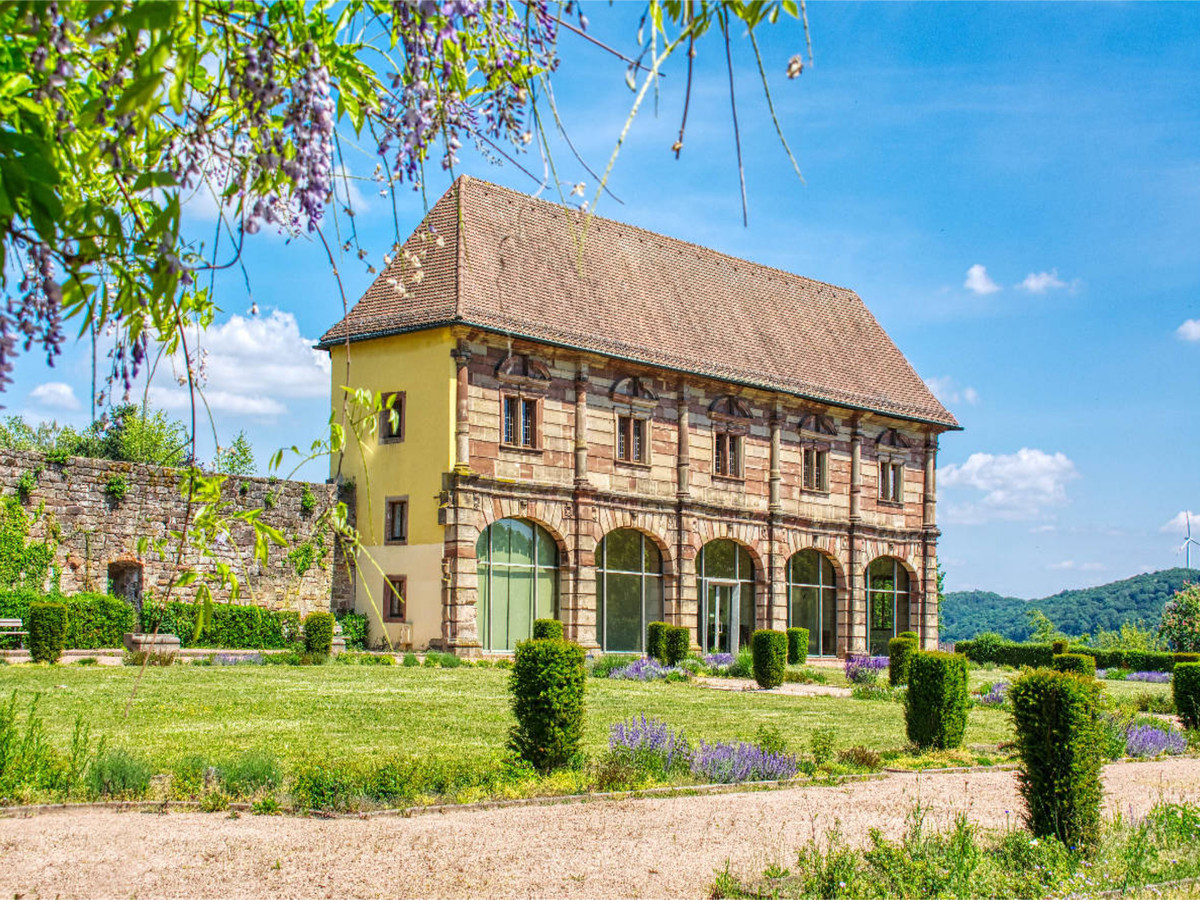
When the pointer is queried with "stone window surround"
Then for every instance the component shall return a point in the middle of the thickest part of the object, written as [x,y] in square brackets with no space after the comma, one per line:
[523,396]
[399,404]
[632,415]
[390,505]
[890,468]
[395,587]
[819,447]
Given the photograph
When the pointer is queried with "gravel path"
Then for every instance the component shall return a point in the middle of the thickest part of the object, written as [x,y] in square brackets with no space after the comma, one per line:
[632,848]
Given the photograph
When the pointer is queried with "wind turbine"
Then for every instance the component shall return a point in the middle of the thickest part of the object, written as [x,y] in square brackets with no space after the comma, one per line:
[1186,546]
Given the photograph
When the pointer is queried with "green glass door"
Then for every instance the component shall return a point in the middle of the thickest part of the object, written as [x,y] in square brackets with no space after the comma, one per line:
[722,618]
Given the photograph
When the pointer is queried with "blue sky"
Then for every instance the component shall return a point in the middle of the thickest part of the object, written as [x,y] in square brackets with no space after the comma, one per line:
[1013,189]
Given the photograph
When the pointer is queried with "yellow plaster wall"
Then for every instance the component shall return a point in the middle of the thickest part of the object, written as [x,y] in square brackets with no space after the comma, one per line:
[420,365]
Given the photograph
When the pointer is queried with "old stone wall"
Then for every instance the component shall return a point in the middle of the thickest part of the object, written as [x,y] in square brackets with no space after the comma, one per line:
[95,534]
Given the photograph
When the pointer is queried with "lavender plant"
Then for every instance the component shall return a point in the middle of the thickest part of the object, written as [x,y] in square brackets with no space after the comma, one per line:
[863,669]
[733,763]
[1150,677]
[1153,740]
[646,669]
[651,745]
[995,695]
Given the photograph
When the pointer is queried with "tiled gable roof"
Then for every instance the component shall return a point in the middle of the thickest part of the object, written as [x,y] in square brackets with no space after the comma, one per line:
[508,263]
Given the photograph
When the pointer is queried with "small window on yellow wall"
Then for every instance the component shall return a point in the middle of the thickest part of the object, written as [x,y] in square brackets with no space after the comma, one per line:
[395,606]
[391,418]
[395,530]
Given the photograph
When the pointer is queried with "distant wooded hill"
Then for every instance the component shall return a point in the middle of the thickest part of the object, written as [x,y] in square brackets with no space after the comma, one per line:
[967,613]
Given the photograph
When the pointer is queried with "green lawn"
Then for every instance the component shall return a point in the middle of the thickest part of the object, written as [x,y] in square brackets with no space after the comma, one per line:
[348,712]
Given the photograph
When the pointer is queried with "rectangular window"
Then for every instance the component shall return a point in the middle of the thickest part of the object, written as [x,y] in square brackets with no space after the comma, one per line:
[395,606]
[631,439]
[891,481]
[520,425]
[728,455]
[391,418]
[396,521]
[816,469]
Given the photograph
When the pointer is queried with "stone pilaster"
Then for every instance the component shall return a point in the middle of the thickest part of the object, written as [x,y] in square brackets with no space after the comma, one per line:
[777,599]
[460,578]
[854,637]
[462,408]
[929,537]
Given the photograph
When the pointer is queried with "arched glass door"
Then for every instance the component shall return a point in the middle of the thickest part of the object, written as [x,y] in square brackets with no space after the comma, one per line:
[517,562]
[812,600]
[888,602]
[726,581]
[629,590]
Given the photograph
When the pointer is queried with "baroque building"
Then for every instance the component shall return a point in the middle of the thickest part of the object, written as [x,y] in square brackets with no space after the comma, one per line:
[592,422]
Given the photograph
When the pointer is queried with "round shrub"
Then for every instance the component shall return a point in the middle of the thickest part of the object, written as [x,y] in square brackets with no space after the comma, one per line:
[547,630]
[1060,742]
[318,633]
[770,650]
[1185,688]
[910,634]
[935,708]
[547,687]
[656,640]
[1079,663]
[797,644]
[900,651]
[676,643]
[47,631]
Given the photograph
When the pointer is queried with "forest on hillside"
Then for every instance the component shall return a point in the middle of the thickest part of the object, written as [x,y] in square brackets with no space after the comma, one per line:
[1084,611]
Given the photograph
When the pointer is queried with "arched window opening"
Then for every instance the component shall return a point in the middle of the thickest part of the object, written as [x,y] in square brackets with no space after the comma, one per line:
[517,562]
[812,600]
[629,590]
[888,602]
[726,581]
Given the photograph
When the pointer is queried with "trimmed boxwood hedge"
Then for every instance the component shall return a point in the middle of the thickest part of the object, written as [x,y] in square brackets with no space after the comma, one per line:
[232,626]
[47,627]
[656,640]
[547,630]
[676,643]
[770,651]
[1185,688]
[900,651]
[318,632]
[797,644]
[1058,648]
[1080,663]
[935,707]
[1011,653]
[94,621]
[1059,740]
[547,686]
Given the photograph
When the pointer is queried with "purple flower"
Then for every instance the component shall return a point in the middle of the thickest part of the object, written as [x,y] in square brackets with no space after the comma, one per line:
[729,763]
[719,660]
[996,695]
[644,669]
[1150,740]
[236,659]
[862,669]
[1151,677]
[650,739]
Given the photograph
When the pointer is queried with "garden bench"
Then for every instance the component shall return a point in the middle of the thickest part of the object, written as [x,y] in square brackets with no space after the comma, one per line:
[12,628]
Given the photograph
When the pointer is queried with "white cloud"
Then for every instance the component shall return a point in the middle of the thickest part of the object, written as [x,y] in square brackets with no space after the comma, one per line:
[1065,564]
[1189,330]
[250,366]
[55,395]
[1040,282]
[1178,524]
[948,392]
[1022,485]
[1093,567]
[979,281]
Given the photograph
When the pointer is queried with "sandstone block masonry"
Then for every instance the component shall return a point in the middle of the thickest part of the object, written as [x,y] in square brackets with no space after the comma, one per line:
[74,507]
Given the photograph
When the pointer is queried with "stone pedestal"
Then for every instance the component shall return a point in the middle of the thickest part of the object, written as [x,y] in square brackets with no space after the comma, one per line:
[151,643]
